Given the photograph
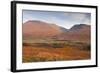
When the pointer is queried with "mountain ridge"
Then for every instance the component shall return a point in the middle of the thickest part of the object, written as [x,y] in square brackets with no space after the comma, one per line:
[41,29]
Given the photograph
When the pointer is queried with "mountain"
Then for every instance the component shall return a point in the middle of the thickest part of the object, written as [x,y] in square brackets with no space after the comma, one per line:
[79,28]
[38,29]
[79,32]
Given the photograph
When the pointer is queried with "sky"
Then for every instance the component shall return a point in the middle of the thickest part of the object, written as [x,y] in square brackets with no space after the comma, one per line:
[64,19]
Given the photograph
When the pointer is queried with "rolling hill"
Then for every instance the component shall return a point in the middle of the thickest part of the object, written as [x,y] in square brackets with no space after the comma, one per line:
[38,29]
[79,32]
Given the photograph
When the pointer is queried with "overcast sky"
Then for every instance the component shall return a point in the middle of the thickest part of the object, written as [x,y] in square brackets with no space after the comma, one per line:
[64,19]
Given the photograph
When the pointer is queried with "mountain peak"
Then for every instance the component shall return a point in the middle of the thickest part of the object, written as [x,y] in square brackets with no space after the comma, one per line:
[34,21]
[35,28]
[80,26]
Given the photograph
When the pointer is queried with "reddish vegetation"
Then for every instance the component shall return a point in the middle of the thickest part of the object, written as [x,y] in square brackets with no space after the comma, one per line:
[35,54]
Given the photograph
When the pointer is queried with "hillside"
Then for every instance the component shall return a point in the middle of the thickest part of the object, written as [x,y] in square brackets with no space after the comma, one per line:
[38,29]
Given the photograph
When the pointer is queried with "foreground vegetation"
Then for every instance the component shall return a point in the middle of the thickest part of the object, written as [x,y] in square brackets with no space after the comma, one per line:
[55,51]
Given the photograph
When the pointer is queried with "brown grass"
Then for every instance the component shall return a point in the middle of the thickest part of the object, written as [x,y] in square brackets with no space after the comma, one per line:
[41,54]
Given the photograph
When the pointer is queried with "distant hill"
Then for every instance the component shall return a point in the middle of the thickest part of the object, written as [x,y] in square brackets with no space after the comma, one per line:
[79,32]
[39,29]
[78,28]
